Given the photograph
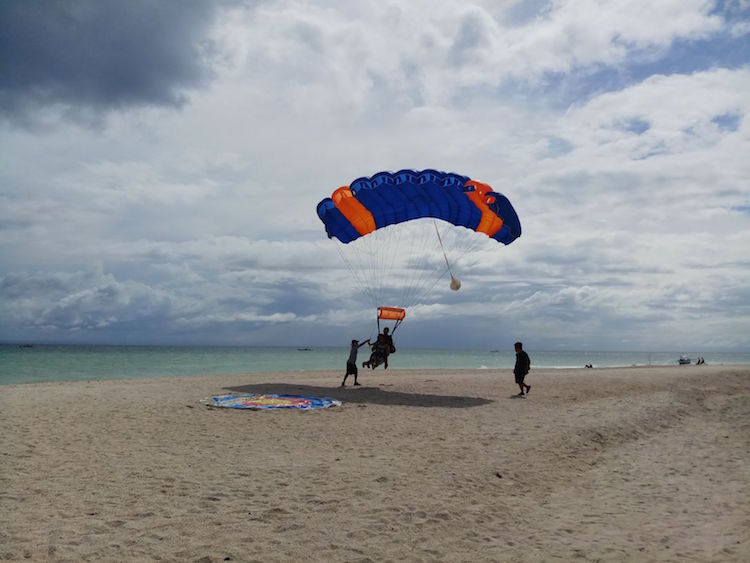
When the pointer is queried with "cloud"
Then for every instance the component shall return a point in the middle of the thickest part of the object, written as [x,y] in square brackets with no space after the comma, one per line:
[91,57]
[423,56]
[77,302]
[619,133]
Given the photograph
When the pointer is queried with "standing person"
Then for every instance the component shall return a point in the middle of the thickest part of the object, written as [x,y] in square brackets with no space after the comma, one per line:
[351,363]
[522,367]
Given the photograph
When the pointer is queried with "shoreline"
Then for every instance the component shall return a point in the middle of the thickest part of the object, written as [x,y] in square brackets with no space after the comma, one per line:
[631,463]
[367,372]
[77,363]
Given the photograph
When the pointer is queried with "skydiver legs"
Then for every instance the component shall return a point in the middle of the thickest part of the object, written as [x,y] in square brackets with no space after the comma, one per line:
[351,369]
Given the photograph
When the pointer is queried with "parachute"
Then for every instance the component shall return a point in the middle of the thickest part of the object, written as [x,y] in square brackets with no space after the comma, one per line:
[399,232]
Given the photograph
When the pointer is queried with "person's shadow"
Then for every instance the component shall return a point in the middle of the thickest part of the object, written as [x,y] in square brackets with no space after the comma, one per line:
[364,395]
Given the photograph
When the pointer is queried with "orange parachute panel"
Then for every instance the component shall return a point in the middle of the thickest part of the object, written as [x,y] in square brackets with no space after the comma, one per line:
[391,313]
[357,214]
[490,223]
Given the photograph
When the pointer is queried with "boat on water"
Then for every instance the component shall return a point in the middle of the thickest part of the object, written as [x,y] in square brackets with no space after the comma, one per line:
[683,361]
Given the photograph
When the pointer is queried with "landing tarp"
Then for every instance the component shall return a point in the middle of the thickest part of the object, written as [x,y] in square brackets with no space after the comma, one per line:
[270,401]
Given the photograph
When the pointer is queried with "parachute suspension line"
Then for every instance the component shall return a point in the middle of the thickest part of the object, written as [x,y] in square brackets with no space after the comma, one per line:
[389,263]
[420,266]
[352,272]
[385,250]
[455,283]
[356,271]
[460,247]
[427,290]
[415,266]
[399,265]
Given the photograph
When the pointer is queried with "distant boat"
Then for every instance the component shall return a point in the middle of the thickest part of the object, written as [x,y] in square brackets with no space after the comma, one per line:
[683,361]
[494,351]
[304,349]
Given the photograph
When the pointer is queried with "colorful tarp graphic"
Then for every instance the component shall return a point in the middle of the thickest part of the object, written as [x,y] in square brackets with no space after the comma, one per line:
[270,401]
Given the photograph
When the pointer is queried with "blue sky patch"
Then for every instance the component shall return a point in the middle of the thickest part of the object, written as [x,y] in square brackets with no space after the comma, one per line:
[728,121]
[557,146]
[636,125]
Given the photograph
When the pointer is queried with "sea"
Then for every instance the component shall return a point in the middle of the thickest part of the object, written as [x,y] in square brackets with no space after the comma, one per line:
[26,363]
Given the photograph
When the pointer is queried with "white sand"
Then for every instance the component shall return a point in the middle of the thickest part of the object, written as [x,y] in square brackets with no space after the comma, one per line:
[635,464]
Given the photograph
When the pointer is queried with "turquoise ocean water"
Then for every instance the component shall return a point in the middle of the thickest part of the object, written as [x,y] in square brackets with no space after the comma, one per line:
[39,363]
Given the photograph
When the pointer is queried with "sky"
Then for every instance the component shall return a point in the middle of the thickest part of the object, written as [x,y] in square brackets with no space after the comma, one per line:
[161,163]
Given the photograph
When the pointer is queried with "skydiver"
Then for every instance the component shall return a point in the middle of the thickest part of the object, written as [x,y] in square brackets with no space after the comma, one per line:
[382,348]
[351,363]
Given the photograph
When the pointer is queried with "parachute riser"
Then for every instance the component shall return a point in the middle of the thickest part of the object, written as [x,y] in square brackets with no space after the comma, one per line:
[398,324]
[395,314]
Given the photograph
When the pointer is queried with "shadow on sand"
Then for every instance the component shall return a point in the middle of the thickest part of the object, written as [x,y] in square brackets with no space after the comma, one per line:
[364,395]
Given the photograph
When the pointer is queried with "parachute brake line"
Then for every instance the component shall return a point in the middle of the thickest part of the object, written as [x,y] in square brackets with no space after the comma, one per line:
[455,282]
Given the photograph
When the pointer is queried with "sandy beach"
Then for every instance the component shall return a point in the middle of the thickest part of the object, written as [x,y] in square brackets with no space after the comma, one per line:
[633,464]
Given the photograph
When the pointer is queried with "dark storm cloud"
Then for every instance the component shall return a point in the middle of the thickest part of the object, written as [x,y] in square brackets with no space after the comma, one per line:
[101,55]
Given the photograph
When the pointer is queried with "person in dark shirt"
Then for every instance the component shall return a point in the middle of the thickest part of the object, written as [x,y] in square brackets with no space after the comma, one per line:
[522,367]
[351,363]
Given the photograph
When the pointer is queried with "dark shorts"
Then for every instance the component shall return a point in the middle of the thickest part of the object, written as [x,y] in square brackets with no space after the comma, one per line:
[520,377]
[351,368]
